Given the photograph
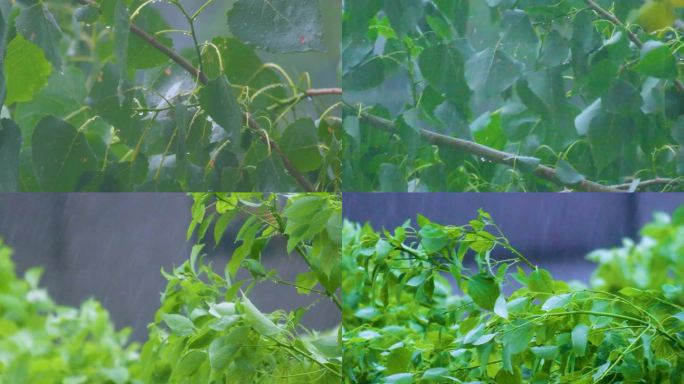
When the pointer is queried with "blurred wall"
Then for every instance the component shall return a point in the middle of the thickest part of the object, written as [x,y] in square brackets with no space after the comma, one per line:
[112,247]
[554,230]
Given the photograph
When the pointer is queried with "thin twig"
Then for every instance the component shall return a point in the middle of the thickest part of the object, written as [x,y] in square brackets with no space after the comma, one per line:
[491,154]
[649,183]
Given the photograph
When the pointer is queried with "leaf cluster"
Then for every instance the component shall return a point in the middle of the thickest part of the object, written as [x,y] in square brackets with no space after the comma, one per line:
[206,329]
[512,95]
[429,304]
[96,97]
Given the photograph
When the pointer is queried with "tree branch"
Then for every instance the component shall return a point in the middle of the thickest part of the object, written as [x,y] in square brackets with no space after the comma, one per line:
[632,36]
[202,77]
[491,154]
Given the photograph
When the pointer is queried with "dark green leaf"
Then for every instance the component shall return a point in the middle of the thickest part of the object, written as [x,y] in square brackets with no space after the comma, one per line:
[292,25]
[61,155]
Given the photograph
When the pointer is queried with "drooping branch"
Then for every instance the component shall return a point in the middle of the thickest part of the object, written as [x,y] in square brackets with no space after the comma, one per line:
[604,13]
[491,154]
[202,77]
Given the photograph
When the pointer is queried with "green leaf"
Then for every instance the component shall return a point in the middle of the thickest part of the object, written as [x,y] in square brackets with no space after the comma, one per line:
[500,307]
[435,374]
[105,99]
[258,320]
[443,68]
[491,71]
[657,60]
[433,238]
[487,130]
[555,302]
[190,363]
[540,280]
[37,25]
[300,144]
[179,324]
[516,27]
[218,100]
[567,174]
[580,335]
[399,378]
[518,336]
[10,144]
[140,53]
[305,282]
[61,155]
[65,93]
[223,350]
[26,70]
[292,25]
[484,291]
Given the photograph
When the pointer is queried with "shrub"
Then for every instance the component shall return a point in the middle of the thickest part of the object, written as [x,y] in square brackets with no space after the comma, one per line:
[403,323]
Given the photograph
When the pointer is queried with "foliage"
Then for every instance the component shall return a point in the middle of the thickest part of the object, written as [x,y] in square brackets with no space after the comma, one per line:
[512,95]
[96,98]
[402,322]
[207,330]
[41,342]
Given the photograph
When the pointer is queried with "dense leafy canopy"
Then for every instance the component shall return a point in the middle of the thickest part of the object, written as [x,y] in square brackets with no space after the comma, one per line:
[105,75]
[404,323]
[206,330]
[512,95]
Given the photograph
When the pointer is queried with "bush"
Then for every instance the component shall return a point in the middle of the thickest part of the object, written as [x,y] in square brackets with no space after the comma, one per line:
[206,330]
[403,323]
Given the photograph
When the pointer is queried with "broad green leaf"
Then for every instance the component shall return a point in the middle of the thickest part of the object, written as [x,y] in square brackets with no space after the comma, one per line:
[584,119]
[540,280]
[580,335]
[105,99]
[292,25]
[555,302]
[567,174]
[179,324]
[399,378]
[37,25]
[487,130]
[305,282]
[546,352]
[61,155]
[484,290]
[218,100]
[657,60]
[258,320]
[368,75]
[516,27]
[500,307]
[433,238]
[140,54]
[491,71]
[435,374]
[300,144]
[443,68]
[190,363]
[10,143]
[518,336]
[222,350]
[26,70]
[64,94]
